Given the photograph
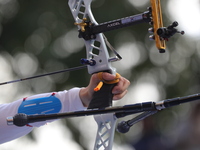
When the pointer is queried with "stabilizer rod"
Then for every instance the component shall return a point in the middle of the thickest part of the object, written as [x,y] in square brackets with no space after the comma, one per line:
[23,119]
[120,111]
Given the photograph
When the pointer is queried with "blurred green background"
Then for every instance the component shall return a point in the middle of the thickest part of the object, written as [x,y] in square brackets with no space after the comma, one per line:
[39,36]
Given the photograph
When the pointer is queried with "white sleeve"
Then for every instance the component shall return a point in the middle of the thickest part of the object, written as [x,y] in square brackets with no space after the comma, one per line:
[70,101]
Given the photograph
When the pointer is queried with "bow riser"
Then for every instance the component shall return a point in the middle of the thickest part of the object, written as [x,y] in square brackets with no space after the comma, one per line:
[106,131]
[97,53]
[96,48]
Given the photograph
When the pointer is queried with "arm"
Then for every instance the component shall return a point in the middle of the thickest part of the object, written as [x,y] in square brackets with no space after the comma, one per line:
[69,100]
[72,100]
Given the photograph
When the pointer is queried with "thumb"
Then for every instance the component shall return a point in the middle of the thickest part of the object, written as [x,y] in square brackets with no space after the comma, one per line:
[108,77]
[96,78]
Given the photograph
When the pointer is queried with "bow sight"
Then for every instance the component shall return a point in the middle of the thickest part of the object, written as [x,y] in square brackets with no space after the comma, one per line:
[166,33]
[153,16]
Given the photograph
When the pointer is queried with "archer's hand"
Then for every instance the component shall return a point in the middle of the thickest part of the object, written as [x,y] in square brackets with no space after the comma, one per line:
[118,91]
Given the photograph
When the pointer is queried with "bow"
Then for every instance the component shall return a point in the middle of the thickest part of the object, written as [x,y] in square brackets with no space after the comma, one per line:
[94,40]
[98,60]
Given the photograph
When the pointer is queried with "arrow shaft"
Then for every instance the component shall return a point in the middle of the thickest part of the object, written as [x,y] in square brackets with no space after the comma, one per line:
[42,75]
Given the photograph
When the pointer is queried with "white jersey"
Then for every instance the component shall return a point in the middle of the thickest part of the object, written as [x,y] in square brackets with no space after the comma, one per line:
[68,100]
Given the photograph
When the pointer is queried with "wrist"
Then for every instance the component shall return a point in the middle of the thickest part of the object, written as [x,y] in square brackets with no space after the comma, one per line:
[85,96]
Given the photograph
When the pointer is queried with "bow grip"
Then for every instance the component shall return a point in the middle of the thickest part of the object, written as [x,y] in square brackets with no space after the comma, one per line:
[103,97]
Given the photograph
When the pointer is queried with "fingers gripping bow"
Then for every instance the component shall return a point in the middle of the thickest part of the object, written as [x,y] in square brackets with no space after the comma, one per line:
[103,92]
